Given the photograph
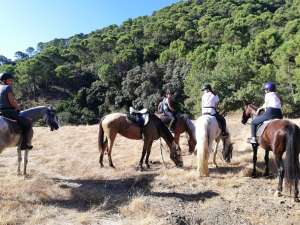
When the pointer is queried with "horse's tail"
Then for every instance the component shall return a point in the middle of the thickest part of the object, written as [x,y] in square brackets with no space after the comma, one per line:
[202,139]
[101,140]
[292,168]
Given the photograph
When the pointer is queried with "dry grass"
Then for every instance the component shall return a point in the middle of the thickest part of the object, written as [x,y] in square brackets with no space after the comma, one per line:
[67,186]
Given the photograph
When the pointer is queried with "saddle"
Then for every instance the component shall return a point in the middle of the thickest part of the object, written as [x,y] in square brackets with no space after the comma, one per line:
[13,124]
[139,117]
[261,128]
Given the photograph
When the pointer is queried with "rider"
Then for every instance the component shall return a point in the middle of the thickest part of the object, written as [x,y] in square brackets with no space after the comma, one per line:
[272,108]
[209,106]
[167,107]
[10,108]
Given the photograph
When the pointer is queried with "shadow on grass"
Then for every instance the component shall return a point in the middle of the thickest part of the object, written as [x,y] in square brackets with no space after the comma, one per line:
[200,196]
[107,194]
[225,170]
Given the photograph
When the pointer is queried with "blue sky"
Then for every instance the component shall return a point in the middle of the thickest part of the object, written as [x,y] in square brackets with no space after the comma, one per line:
[24,23]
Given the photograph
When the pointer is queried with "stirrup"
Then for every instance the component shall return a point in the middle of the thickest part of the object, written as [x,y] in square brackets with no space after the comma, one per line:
[252,140]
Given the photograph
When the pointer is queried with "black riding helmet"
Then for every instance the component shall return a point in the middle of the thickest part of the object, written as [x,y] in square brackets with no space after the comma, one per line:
[206,87]
[5,76]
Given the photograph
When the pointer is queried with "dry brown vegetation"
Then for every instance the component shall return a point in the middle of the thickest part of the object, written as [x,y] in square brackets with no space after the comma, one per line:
[67,185]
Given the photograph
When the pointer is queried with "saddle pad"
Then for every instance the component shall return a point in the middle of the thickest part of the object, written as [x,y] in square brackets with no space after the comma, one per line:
[140,119]
[262,127]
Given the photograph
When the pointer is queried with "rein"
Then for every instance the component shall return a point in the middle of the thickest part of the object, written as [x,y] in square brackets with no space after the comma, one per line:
[161,152]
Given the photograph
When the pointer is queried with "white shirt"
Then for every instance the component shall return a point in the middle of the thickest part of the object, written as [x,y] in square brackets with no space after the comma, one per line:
[209,103]
[272,100]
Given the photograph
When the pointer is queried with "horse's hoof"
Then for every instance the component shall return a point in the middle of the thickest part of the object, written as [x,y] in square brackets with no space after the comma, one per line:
[277,193]
[26,176]
[148,166]
[254,175]
[266,174]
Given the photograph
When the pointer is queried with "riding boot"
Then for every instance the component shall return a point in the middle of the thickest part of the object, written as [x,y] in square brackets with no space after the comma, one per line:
[25,140]
[222,124]
[253,140]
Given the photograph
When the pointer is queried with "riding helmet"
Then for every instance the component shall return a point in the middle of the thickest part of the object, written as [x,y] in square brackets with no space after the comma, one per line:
[270,86]
[5,76]
[206,87]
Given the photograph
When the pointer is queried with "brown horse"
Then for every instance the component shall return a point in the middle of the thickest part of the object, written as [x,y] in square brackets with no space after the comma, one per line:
[112,124]
[182,124]
[279,136]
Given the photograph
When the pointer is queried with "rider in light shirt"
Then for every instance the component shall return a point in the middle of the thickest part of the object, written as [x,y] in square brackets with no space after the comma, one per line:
[209,106]
[272,108]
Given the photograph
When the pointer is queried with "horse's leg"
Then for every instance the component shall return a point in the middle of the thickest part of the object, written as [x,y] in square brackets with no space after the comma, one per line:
[25,162]
[296,191]
[148,154]
[19,161]
[110,143]
[255,147]
[267,163]
[143,154]
[280,171]
[102,154]
[177,136]
[215,154]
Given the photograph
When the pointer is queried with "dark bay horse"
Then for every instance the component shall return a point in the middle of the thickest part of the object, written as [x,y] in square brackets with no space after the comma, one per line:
[182,124]
[10,132]
[279,136]
[118,123]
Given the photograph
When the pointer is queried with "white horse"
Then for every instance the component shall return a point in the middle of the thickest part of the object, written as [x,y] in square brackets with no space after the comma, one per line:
[11,135]
[208,132]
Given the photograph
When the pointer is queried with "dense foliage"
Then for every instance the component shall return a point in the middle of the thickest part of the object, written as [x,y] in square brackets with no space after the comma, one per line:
[236,45]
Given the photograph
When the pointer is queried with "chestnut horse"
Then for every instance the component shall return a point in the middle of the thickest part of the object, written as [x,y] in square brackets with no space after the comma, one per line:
[182,124]
[118,123]
[279,136]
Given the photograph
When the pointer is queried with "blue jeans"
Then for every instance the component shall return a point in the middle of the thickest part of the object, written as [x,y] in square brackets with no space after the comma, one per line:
[270,113]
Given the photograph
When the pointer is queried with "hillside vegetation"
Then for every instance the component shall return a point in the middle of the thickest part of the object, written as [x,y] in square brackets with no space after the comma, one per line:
[234,44]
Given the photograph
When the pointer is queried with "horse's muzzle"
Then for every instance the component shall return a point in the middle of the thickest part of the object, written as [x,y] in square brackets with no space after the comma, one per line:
[179,164]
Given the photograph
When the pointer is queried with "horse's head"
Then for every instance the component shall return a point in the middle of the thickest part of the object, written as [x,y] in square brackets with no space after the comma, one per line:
[227,149]
[51,119]
[246,113]
[175,155]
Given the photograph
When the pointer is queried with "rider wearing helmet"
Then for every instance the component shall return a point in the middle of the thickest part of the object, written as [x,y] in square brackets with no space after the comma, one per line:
[272,108]
[209,106]
[167,108]
[10,108]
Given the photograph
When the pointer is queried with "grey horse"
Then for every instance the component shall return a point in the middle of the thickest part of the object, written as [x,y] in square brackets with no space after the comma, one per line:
[10,132]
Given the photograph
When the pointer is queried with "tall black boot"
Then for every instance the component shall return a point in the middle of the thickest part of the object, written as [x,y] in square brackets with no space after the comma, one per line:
[25,140]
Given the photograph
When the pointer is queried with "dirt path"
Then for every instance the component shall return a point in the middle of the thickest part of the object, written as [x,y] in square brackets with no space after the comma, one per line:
[67,186]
